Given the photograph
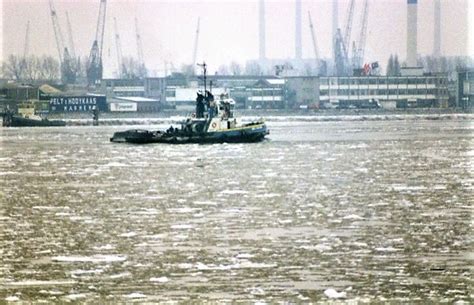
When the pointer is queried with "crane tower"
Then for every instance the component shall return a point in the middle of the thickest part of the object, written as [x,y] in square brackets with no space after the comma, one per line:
[142,72]
[68,73]
[315,43]
[70,38]
[94,65]
[118,46]
[360,50]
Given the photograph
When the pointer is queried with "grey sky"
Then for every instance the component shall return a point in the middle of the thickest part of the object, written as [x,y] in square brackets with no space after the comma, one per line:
[229,28]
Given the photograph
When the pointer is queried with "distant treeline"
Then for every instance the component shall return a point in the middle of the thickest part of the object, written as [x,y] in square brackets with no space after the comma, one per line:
[48,68]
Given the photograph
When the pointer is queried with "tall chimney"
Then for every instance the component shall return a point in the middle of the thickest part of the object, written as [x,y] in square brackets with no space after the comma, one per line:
[412,33]
[261,31]
[298,46]
[335,26]
[437,29]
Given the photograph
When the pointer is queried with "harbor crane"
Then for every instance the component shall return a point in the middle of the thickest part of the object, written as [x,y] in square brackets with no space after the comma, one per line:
[23,64]
[27,41]
[348,25]
[68,73]
[341,50]
[360,50]
[118,46]
[196,39]
[315,44]
[340,53]
[142,72]
[70,38]
[94,65]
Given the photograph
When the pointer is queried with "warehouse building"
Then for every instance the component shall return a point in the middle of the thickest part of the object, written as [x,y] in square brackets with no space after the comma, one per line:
[302,92]
[134,104]
[267,94]
[465,89]
[123,87]
[402,91]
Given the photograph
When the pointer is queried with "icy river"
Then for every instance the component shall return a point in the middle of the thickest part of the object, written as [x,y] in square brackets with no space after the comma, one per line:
[364,210]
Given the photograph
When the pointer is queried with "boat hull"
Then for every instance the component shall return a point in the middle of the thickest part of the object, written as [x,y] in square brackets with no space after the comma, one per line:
[245,134]
[17,121]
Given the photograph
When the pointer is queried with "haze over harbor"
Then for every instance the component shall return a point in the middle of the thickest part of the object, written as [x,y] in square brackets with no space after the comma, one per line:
[168,29]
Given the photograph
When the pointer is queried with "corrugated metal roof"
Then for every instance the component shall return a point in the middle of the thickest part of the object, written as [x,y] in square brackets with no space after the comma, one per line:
[275,81]
[49,89]
[137,99]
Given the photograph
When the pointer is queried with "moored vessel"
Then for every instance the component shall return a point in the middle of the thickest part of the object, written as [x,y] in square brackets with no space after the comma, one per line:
[26,117]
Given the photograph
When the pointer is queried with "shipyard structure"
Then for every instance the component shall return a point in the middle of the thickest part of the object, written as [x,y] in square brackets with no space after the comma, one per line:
[176,91]
[347,80]
[272,92]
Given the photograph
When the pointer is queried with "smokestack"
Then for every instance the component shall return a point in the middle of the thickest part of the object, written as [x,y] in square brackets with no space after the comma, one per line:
[261,31]
[298,46]
[412,32]
[437,29]
[335,25]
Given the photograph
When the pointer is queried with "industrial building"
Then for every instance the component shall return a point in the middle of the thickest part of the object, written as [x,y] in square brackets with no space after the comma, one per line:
[402,91]
[122,87]
[303,91]
[410,89]
[465,90]
[266,93]
[134,104]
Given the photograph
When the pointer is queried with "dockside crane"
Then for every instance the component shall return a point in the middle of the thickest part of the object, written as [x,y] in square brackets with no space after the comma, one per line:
[26,48]
[70,38]
[315,43]
[196,40]
[341,50]
[360,50]
[340,53]
[94,65]
[23,61]
[118,46]
[68,73]
[142,72]
[348,25]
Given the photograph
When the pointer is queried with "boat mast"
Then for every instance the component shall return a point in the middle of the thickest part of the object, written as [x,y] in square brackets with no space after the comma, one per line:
[204,71]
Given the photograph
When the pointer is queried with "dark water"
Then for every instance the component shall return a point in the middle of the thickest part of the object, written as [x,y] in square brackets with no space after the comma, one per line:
[376,210]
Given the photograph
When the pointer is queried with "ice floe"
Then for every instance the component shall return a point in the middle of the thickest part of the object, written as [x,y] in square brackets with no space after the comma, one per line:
[162,279]
[334,294]
[90,259]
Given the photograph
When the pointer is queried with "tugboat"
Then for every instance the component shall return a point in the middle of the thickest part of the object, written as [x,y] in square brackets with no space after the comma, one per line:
[213,122]
[26,117]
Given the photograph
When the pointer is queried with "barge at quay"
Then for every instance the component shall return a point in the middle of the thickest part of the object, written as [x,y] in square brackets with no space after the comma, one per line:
[27,117]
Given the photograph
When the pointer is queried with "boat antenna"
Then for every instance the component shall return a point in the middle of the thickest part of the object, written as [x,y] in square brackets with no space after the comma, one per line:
[204,72]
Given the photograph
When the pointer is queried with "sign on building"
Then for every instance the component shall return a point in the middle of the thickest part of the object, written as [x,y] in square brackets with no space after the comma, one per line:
[77,103]
[123,107]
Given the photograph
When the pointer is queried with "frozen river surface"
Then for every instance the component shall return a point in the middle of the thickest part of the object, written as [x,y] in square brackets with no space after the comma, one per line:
[375,210]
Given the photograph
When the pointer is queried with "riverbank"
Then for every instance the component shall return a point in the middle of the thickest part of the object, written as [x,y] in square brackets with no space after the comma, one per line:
[174,116]
[266,113]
